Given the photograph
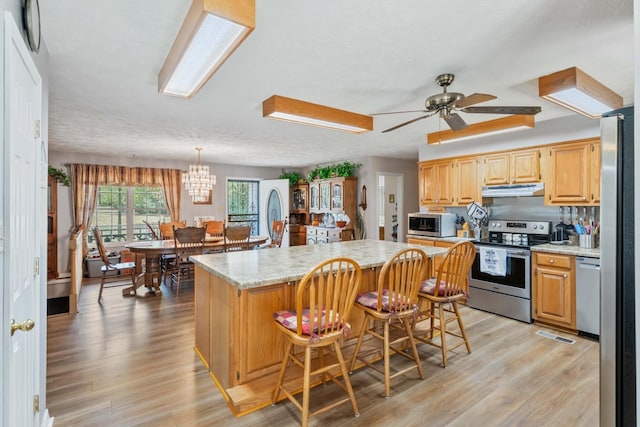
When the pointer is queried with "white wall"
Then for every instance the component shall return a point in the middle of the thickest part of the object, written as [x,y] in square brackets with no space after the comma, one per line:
[391,209]
[187,209]
[368,175]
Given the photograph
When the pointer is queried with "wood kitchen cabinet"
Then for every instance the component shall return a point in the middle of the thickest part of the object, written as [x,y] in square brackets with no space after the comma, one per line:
[298,213]
[299,196]
[467,188]
[517,167]
[554,289]
[595,162]
[335,195]
[435,183]
[572,173]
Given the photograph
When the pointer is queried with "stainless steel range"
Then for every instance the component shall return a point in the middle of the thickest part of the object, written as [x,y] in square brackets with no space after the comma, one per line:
[500,279]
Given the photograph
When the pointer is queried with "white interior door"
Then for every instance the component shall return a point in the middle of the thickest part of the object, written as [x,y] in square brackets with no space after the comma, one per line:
[274,205]
[20,231]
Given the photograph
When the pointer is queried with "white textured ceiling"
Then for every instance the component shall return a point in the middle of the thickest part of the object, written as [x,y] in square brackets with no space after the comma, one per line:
[364,56]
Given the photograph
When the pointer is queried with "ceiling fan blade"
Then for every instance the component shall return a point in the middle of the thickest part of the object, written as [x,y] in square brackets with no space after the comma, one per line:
[455,122]
[407,123]
[398,112]
[503,110]
[474,98]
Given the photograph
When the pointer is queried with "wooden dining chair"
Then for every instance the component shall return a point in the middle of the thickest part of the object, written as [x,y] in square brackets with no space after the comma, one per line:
[277,233]
[152,230]
[188,241]
[440,302]
[236,238]
[393,307]
[215,230]
[166,228]
[166,233]
[324,299]
[111,272]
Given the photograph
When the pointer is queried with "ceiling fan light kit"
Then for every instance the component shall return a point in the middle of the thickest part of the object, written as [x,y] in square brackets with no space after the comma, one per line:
[446,105]
[293,110]
[490,127]
[576,90]
[212,30]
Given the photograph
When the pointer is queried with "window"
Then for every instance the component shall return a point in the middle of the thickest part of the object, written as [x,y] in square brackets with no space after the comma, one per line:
[120,212]
[242,203]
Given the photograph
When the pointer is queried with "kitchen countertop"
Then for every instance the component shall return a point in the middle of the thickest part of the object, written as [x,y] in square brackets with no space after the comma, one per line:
[567,250]
[263,267]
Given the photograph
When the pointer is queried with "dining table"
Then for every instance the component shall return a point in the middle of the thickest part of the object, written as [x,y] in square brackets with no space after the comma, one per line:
[154,249]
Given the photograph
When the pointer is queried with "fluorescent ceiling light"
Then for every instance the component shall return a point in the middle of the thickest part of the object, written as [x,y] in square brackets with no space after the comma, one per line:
[210,33]
[576,90]
[293,110]
[490,127]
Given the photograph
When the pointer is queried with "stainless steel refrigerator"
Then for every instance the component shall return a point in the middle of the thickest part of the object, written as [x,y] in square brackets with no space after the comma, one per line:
[617,272]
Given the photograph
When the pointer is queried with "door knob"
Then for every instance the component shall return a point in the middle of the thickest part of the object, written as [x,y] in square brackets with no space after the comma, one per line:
[24,326]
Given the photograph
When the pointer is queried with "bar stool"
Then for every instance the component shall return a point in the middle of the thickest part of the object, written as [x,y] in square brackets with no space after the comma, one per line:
[324,299]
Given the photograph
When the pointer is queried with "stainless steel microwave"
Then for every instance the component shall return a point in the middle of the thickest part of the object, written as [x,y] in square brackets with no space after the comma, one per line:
[432,224]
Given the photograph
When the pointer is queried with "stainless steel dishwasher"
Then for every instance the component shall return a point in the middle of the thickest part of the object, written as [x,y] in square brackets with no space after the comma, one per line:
[588,295]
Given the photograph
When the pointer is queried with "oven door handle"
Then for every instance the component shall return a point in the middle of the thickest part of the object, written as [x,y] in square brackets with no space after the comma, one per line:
[521,253]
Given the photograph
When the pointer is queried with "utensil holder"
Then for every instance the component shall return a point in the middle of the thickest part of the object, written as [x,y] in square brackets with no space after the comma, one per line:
[587,241]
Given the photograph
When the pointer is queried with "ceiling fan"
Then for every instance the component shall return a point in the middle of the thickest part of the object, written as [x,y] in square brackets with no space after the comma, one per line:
[447,103]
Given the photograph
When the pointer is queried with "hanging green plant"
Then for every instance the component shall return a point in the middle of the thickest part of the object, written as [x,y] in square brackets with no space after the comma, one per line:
[59,176]
[292,176]
[346,168]
[314,173]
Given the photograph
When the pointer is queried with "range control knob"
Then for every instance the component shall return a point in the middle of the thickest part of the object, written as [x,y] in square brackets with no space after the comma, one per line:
[535,226]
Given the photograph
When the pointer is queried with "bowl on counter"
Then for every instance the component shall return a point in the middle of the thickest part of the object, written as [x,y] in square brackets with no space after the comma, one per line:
[341,224]
[315,223]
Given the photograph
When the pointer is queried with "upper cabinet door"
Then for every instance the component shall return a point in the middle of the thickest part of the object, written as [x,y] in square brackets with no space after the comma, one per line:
[325,195]
[594,171]
[314,196]
[299,197]
[525,167]
[496,169]
[336,196]
[466,181]
[568,180]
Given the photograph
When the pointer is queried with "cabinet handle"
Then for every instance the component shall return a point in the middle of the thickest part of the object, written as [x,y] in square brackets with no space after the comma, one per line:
[584,198]
[551,261]
[564,275]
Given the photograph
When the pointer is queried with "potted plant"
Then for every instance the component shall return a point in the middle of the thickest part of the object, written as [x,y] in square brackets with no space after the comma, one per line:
[59,175]
[292,176]
[314,173]
[346,169]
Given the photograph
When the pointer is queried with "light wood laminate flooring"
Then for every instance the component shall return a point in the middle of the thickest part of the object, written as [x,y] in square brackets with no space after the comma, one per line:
[130,362]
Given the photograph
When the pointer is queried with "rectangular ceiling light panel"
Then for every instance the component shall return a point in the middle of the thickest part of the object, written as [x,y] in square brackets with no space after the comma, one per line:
[293,110]
[576,90]
[482,129]
[210,33]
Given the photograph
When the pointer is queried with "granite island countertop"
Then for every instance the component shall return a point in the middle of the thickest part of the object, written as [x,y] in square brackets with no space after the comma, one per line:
[567,250]
[263,267]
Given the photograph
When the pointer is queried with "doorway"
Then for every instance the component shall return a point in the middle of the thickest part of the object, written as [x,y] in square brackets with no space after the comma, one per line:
[390,207]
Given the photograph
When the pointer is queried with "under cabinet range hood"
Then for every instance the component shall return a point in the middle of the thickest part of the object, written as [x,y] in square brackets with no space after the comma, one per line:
[514,190]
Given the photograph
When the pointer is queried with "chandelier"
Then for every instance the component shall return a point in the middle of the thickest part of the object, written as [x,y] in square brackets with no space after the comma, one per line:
[198,181]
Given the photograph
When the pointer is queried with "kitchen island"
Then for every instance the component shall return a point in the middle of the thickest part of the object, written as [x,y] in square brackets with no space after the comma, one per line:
[236,295]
